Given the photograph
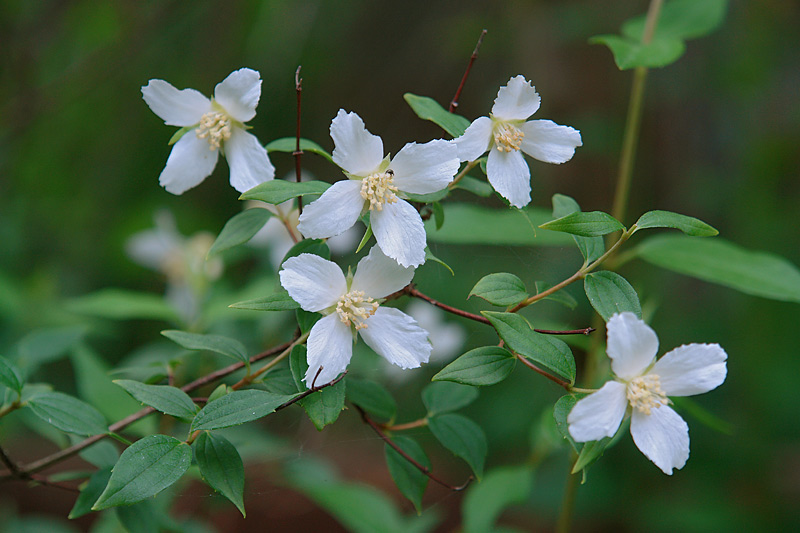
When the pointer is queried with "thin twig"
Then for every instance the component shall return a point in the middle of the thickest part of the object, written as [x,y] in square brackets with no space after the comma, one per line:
[298,87]
[472,58]
[560,382]
[412,291]
[310,391]
[15,472]
[425,470]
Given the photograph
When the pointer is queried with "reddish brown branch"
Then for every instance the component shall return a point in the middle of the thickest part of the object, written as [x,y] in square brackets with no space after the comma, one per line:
[472,58]
[312,390]
[425,470]
[412,291]
[15,472]
[298,87]
[560,382]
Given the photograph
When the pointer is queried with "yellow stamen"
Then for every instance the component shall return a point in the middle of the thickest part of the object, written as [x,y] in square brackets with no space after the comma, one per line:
[507,137]
[645,393]
[215,127]
[355,307]
[377,189]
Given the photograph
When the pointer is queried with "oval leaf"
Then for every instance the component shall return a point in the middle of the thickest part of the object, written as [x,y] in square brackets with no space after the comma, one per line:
[561,411]
[479,367]
[280,301]
[610,293]
[442,397]
[239,229]
[10,376]
[429,109]
[144,469]
[278,191]
[666,219]
[68,414]
[289,144]
[169,400]
[591,224]
[237,408]
[371,397]
[213,343]
[409,479]
[90,492]
[719,261]
[463,437]
[590,247]
[542,349]
[123,305]
[502,289]
[221,467]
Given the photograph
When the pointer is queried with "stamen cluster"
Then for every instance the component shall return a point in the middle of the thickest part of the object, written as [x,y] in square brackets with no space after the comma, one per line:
[215,127]
[355,307]
[507,137]
[377,189]
[645,393]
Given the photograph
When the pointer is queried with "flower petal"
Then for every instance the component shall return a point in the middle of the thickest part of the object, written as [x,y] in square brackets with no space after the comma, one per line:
[355,149]
[691,369]
[516,101]
[476,140]
[334,212]
[662,436]
[248,160]
[330,346]
[599,414]
[176,108]
[189,163]
[397,337]
[379,276]
[632,345]
[313,282]
[547,141]
[510,176]
[153,247]
[239,93]
[425,168]
[400,233]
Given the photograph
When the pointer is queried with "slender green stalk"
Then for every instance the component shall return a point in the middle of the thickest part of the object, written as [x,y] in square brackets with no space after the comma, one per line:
[252,377]
[568,501]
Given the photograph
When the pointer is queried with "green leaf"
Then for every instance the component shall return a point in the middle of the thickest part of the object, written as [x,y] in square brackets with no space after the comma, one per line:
[562,297]
[479,367]
[429,256]
[428,198]
[306,320]
[472,224]
[408,478]
[590,452]
[502,289]
[142,517]
[719,261]
[442,397]
[237,408]
[90,491]
[289,144]
[665,219]
[278,191]
[309,246]
[590,247]
[280,301]
[541,349]
[68,414]
[221,467]
[169,400]
[372,398]
[438,215]
[629,53]
[475,186]
[214,343]
[429,109]
[463,437]
[322,407]
[501,488]
[365,238]
[47,345]
[592,224]
[10,376]
[100,454]
[239,229]
[123,305]
[610,293]
[180,133]
[144,469]
[561,411]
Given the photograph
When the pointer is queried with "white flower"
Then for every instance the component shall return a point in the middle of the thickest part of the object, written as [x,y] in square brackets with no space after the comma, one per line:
[377,184]
[350,306]
[642,387]
[218,125]
[505,133]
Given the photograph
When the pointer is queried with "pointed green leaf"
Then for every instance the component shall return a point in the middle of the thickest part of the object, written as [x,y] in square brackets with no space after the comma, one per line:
[590,452]
[408,478]
[442,397]
[438,214]
[544,350]
[221,466]
[144,469]
[428,198]
[719,261]
[306,320]
[68,414]
[461,436]
[502,289]
[237,408]
[561,411]
[239,229]
[322,407]
[665,219]
[610,293]
[479,367]
[214,343]
[118,304]
[372,398]
[501,488]
[430,257]
[289,145]
[591,224]
[169,400]
[682,19]
[10,376]
[629,53]
[429,109]
[278,191]
[180,133]
[590,247]
[90,491]
[279,301]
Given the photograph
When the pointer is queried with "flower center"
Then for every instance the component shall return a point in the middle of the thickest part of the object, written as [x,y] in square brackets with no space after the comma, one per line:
[378,189]
[507,137]
[645,393]
[215,127]
[355,307]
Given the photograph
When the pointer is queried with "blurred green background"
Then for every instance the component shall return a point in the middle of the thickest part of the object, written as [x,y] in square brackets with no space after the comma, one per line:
[80,155]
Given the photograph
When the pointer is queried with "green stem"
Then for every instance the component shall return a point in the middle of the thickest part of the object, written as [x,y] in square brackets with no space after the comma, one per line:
[461,174]
[247,380]
[13,406]
[568,501]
